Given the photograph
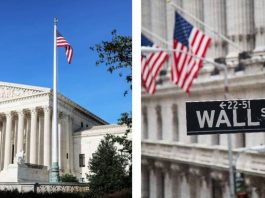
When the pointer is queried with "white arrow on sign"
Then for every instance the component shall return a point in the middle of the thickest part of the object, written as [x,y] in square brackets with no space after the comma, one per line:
[222,105]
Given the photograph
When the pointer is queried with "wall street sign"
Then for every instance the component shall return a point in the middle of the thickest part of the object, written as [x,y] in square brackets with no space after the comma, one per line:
[231,116]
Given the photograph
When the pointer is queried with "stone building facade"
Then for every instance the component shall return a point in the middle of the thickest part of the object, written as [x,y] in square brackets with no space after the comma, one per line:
[26,125]
[175,165]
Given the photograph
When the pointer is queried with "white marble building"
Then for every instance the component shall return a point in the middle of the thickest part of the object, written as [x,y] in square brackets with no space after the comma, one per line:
[26,125]
[175,165]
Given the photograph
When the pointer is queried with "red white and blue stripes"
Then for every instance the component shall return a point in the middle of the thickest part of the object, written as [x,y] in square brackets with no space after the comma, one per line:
[62,42]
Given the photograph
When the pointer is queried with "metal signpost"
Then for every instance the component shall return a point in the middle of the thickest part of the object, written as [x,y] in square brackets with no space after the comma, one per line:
[230,116]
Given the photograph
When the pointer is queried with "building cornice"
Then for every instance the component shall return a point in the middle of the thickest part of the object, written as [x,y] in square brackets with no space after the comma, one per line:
[101,130]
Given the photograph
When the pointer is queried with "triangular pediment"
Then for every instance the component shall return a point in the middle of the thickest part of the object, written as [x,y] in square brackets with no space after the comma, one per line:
[13,90]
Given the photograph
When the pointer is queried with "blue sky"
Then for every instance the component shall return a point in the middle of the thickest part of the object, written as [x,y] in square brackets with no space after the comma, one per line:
[26,44]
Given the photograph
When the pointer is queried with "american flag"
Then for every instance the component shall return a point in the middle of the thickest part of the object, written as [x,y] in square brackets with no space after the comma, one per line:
[151,63]
[62,42]
[191,45]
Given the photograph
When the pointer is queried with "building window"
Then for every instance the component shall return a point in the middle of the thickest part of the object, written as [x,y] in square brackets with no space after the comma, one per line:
[82,124]
[159,122]
[145,123]
[81,160]
[175,123]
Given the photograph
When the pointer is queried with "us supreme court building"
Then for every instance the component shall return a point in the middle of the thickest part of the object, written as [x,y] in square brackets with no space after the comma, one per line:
[26,127]
[175,165]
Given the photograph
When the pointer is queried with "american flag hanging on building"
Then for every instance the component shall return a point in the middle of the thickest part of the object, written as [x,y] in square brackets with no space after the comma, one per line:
[151,63]
[62,42]
[191,45]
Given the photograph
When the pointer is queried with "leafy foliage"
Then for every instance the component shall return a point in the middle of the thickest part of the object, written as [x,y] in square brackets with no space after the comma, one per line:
[116,55]
[124,141]
[108,170]
[68,178]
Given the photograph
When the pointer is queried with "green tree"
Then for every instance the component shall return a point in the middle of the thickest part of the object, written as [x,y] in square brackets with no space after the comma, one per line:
[125,143]
[116,54]
[107,169]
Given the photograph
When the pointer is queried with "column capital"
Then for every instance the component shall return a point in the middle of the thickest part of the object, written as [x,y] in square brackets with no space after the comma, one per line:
[20,112]
[219,175]
[33,111]
[8,114]
[47,108]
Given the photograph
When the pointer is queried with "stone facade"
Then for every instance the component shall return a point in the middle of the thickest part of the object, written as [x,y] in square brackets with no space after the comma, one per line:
[26,125]
[175,165]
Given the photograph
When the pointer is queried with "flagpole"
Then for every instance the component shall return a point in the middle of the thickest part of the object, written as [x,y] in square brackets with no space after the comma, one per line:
[54,174]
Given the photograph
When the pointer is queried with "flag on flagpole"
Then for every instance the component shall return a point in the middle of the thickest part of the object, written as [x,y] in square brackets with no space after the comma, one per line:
[151,63]
[62,42]
[191,45]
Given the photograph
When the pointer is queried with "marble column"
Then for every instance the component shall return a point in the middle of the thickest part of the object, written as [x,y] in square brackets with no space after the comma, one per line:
[14,140]
[33,137]
[27,138]
[168,184]
[254,139]
[146,15]
[71,146]
[195,8]
[176,171]
[184,186]
[60,141]
[205,189]
[153,187]
[47,137]
[240,25]
[40,139]
[20,131]
[2,144]
[259,7]
[7,157]
[223,139]
[160,179]
[215,17]
[145,181]
[159,21]
[67,143]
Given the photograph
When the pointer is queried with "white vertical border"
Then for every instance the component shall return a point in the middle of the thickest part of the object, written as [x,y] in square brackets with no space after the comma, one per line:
[136,97]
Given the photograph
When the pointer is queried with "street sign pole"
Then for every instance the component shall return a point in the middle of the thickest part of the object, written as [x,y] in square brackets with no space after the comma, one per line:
[229,144]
